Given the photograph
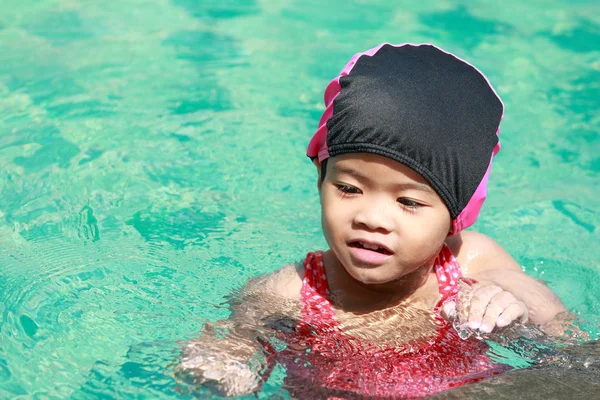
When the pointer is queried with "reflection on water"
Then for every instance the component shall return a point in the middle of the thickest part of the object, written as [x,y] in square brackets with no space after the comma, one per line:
[572,372]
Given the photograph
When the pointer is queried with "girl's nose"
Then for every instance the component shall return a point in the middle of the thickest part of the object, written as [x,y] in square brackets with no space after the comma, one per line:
[376,216]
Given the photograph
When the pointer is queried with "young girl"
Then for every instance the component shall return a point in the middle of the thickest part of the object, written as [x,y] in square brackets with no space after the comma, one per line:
[403,151]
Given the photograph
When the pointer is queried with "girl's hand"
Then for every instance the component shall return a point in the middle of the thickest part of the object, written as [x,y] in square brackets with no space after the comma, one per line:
[213,370]
[484,306]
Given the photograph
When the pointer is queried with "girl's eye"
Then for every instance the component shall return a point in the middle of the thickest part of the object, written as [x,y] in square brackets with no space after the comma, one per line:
[408,203]
[348,189]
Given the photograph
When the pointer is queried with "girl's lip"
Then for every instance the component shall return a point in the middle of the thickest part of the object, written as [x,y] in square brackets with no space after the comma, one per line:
[368,257]
[370,243]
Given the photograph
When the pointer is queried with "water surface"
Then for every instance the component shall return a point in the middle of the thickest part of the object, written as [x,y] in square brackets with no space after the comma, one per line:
[152,160]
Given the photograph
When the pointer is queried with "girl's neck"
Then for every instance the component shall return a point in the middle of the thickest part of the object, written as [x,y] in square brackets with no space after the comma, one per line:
[355,296]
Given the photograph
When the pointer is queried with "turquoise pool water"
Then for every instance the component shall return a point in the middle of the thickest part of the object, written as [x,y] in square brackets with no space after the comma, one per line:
[152,159]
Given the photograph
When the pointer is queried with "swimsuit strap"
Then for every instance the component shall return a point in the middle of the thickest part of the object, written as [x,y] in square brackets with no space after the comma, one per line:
[448,272]
[315,291]
[314,273]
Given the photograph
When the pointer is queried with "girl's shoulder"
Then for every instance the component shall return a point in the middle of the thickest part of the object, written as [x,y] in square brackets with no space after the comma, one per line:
[286,282]
[267,295]
[476,252]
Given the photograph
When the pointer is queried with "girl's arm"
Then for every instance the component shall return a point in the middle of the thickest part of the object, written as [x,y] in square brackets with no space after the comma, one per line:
[229,356]
[503,292]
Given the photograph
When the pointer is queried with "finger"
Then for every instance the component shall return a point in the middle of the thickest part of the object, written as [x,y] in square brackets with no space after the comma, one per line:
[497,305]
[463,300]
[479,302]
[449,310]
[463,304]
[466,283]
[511,313]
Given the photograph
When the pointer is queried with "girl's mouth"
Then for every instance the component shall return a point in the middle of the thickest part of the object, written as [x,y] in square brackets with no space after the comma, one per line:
[370,246]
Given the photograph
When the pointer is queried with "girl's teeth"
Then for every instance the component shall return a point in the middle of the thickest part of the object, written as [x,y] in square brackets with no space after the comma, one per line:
[369,246]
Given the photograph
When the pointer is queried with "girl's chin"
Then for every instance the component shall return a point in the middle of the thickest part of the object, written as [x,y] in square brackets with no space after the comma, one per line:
[382,276]
[374,278]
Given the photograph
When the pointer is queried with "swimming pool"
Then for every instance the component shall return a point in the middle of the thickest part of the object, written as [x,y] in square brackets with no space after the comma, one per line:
[152,157]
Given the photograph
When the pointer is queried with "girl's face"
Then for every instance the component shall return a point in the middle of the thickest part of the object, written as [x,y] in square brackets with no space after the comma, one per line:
[380,218]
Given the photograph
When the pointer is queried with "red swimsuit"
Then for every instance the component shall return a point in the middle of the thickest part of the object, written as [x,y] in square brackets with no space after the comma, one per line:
[323,362]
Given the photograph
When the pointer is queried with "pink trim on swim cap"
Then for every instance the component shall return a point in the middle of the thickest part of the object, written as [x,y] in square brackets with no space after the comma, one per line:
[318,144]
[470,213]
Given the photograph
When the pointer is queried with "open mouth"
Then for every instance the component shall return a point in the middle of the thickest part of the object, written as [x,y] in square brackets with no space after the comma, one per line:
[369,246]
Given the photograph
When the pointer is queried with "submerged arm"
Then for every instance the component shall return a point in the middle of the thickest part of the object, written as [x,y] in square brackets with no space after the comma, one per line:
[229,357]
